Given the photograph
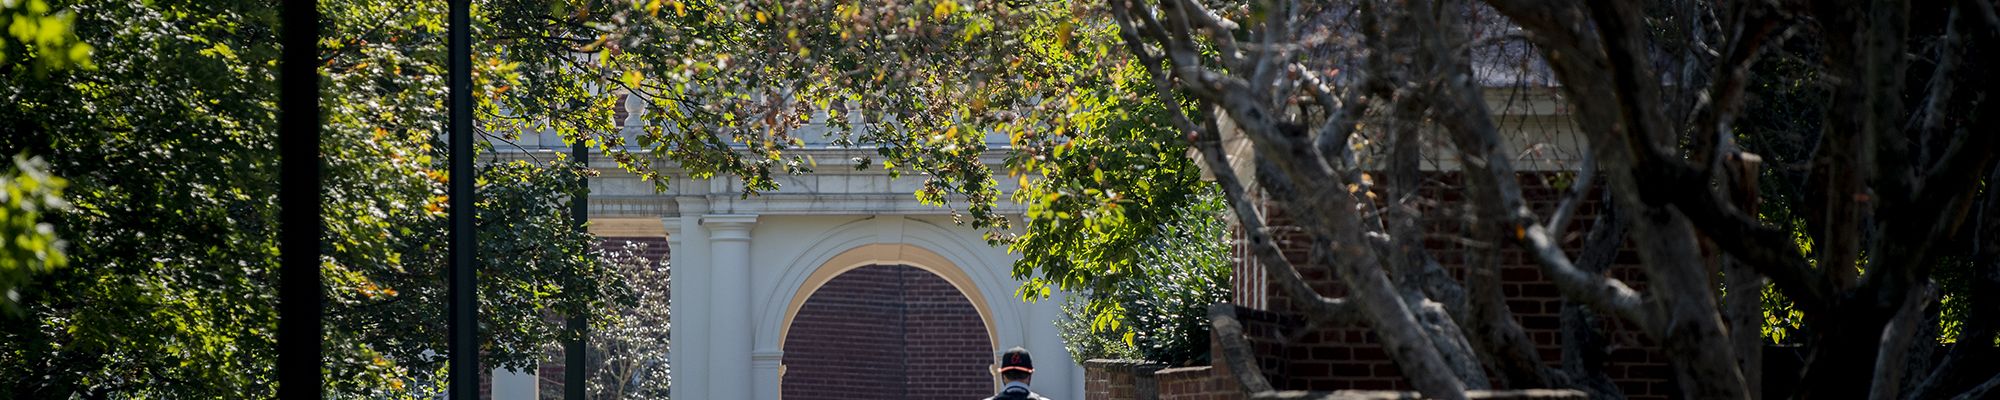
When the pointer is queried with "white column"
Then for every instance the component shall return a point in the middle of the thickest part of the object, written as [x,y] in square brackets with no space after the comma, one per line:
[691,299]
[1058,376]
[515,385]
[730,330]
[674,245]
[767,363]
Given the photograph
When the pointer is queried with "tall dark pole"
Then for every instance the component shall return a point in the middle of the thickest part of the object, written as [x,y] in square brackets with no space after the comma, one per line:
[464,322]
[299,193]
[574,370]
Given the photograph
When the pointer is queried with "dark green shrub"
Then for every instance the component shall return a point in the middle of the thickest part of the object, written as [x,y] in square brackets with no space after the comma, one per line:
[1158,310]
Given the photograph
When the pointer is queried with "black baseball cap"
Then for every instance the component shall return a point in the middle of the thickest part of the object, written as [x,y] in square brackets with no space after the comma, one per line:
[1017,359]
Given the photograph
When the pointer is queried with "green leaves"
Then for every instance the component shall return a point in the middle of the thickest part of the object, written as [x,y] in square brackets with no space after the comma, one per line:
[1156,306]
[168,147]
[732,86]
[34,32]
[28,246]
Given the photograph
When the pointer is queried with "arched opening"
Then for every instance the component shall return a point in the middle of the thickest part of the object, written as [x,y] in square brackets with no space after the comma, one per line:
[887,332]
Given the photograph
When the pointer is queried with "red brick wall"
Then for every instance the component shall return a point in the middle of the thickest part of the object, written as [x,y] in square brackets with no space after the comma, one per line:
[948,350]
[1109,380]
[846,340]
[1138,380]
[1197,383]
[887,332]
[1349,357]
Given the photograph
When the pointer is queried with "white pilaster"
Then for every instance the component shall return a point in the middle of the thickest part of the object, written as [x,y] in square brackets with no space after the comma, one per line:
[674,245]
[731,329]
[1058,374]
[693,306]
[767,363]
[514,385]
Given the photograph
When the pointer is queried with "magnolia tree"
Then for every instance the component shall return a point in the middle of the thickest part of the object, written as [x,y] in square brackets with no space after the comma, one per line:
[1323,110]
[628,357]
[1899,161]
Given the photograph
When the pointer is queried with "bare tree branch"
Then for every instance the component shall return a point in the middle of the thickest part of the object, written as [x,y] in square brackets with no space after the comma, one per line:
[1895,343]
[1586,176]
[1236,351]
[1259,238]
[1328,213]
[1982,321]
[1981,391]
[1743,298]
[1583,346]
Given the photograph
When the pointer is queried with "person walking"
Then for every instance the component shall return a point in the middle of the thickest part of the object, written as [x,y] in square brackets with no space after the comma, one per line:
[1017,369]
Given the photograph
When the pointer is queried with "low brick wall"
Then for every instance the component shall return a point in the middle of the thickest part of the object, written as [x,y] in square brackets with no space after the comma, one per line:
[1530,394]
[1107,379]
[1197,383]
[1140,380]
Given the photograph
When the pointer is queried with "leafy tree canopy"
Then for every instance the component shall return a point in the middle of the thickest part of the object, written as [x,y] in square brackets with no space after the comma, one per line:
[34,35]
[28,246]
[168,145]
[928,85]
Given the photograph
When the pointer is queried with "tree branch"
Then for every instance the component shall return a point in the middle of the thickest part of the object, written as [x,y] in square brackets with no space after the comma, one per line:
[1982,319]
[1981,391]
[1586,176]
[1237,353]
[1583,348]
[1272,258]
[1895,343]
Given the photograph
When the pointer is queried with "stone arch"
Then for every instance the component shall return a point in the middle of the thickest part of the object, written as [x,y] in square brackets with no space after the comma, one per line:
[979,271]
[886,331]
[890,254]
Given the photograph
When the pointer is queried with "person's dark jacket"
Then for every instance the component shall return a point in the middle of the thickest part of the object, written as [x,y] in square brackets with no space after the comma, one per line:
[1016,393]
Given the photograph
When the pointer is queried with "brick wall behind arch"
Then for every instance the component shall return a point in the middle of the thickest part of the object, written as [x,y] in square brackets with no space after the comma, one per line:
[887,332]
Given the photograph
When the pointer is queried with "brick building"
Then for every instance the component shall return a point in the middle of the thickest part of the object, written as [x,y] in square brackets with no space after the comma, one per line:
[1336,357]
[1349,357]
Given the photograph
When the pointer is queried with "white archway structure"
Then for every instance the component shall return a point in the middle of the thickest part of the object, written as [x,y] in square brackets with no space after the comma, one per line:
[791,256]
[743,265]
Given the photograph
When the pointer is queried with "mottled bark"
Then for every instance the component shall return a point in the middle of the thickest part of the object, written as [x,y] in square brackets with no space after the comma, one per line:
[1236,350]
[1743,298]
[1895,175]
[1626,125]
[1895,344]
[1321,202]
[1584,354]
[1983,314]
[1983,391]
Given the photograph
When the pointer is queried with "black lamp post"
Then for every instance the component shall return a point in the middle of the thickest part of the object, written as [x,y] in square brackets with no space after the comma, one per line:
[574,371]
[300,294]
[464,322]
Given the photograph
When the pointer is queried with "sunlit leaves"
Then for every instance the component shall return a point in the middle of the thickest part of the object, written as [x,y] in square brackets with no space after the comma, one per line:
[28,245]
[37,33]
[168,146]
[736,89]
[730,87]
